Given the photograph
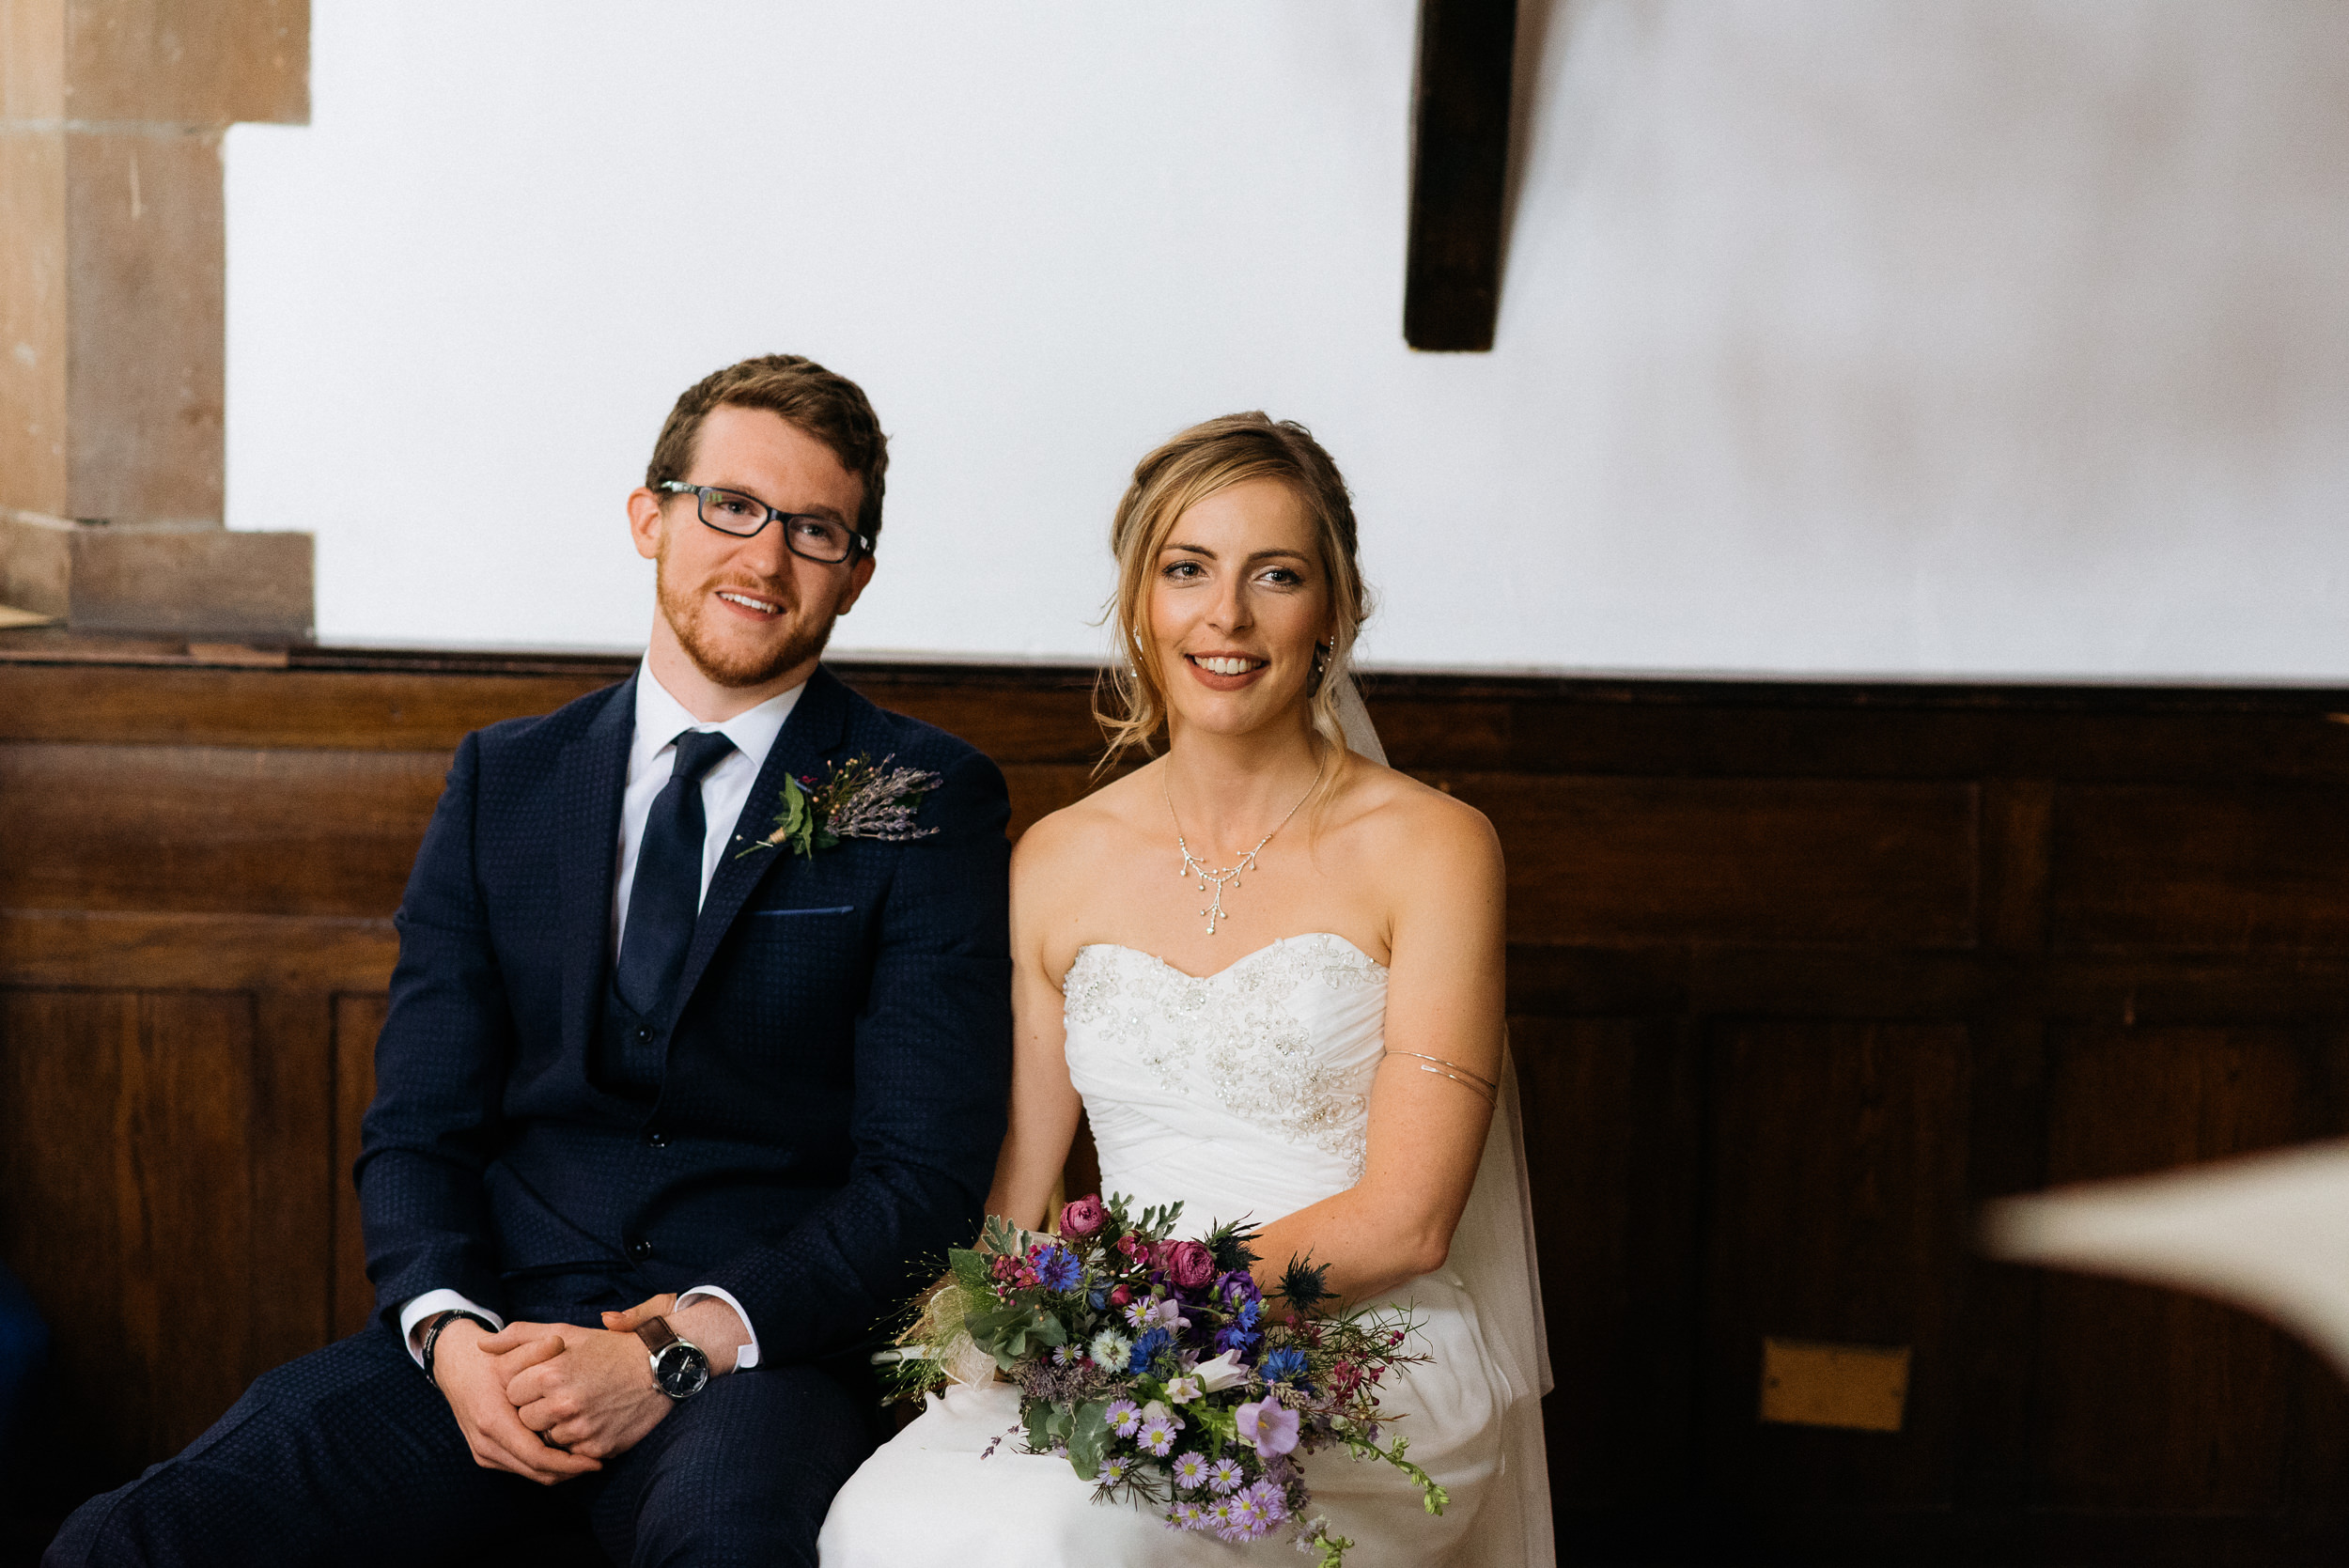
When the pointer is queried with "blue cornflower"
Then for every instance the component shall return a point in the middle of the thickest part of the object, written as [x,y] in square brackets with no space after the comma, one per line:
[1283,1365]
[1147,1347]
[1233,1337]
[1056,1269]
[1248,1313]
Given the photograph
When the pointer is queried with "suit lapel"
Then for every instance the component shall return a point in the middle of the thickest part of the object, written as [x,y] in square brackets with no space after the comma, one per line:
[594,775]
[818,721]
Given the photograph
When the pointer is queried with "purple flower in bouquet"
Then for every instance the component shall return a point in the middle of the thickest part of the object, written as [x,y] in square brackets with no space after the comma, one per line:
[1157,1313]
[1238,1286]
[1158,1426]
[1057,1268]
[1268,1425]
[1124,1417]
[1224,1474]
[1269,1496]
[1190,1471]
[1247,1515]
[1232,1336]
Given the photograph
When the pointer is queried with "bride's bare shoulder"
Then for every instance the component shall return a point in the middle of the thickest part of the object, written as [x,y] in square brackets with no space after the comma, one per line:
[1406,822]
[1082,833]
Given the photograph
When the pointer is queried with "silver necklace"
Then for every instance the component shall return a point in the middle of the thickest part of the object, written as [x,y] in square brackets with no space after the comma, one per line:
[1223,877]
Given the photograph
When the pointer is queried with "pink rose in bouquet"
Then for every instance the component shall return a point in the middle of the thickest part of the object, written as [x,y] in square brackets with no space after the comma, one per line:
[1189,1264]
[1081,1218]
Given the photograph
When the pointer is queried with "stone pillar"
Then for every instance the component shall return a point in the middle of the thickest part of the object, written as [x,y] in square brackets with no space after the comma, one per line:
[111,298]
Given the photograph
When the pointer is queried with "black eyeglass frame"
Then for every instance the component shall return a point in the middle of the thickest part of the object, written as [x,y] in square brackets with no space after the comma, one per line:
[858,544]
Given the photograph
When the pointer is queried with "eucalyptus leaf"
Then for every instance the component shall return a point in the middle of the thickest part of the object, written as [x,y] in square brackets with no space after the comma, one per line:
[1089,1438]
[1048,1425]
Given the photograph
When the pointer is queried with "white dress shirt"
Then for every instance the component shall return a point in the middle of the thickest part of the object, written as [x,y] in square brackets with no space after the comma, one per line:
[725,790]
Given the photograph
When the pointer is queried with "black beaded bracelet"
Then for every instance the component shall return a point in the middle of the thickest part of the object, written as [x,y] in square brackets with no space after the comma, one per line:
[441,1321]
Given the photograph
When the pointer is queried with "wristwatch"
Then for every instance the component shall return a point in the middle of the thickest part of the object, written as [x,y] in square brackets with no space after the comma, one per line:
[680,1368]
[433,1337]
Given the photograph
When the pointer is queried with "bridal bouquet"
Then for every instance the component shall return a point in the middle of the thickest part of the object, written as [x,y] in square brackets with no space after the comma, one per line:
[1162,1373]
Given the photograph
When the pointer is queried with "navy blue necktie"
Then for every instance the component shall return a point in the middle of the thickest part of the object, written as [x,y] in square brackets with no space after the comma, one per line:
[666,896]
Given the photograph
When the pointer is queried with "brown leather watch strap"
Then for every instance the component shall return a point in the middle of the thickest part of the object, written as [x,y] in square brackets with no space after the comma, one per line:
[658,1336]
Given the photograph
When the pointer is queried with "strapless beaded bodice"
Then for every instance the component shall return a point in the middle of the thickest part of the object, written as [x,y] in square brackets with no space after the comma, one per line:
[1246,1091]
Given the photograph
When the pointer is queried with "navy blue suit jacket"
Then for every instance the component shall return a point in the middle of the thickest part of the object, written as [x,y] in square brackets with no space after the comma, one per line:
[836,1075]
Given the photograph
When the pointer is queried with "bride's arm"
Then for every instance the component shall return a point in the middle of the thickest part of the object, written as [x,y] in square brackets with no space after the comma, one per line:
[1444,1000]
[1044,1104]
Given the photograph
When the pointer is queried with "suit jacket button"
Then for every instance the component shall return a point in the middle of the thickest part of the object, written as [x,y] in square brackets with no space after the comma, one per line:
[644,1034]
[657,1140]
[639,1250]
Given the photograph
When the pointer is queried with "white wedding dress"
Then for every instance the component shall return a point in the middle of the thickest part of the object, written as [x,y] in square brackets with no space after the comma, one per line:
[1246,1094]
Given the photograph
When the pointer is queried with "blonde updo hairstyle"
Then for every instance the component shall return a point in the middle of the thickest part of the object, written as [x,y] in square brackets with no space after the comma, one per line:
[1184,472]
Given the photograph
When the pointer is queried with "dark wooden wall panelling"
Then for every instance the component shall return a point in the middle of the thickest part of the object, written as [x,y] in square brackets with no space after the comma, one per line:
[1800,974]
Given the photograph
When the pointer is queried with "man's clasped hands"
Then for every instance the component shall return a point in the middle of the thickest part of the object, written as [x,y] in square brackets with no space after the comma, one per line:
[553,1401]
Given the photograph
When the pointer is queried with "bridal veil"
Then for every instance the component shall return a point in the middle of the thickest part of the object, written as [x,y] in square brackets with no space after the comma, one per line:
[1493,1253]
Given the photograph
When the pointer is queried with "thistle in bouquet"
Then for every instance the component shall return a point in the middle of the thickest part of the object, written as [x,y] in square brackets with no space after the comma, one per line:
[1163,1373]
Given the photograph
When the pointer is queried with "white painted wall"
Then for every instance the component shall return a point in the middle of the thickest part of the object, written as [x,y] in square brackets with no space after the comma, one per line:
[1984,336]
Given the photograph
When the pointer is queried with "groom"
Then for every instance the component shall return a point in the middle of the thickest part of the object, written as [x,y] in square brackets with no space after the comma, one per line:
[632,1055]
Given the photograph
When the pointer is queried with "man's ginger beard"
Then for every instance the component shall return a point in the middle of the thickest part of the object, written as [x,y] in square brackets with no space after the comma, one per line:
[687,610]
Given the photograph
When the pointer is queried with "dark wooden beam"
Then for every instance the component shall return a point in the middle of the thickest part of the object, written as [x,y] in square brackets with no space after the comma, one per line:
[1460,173]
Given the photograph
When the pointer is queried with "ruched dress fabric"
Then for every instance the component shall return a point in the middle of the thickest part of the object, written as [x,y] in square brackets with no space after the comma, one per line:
[1243,1093]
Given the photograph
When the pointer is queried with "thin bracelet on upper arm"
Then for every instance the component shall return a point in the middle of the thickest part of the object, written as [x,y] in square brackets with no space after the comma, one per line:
[1457,1074]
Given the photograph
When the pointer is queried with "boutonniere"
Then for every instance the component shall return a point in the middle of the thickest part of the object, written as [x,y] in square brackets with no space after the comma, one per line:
[856,799]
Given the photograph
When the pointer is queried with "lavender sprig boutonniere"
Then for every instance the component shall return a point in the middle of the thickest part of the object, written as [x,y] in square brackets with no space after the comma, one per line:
[856,799]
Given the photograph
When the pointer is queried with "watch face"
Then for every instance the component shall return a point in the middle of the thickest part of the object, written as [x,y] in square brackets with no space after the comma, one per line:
[680,1369]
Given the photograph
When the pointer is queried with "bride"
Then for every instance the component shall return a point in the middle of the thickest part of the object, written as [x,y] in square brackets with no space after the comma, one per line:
[1305,1028]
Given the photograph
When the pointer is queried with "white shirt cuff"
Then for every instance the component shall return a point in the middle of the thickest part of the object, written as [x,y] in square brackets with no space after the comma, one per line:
[745,1358]
[418,1308]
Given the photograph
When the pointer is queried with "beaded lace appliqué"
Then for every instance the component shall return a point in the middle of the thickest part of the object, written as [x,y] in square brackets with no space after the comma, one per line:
[1232,1035]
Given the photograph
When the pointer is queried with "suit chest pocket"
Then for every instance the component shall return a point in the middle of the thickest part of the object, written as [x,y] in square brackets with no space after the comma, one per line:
[818,941]
[798,984]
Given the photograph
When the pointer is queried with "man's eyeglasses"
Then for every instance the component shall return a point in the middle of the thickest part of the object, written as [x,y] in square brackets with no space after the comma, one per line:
[805,535]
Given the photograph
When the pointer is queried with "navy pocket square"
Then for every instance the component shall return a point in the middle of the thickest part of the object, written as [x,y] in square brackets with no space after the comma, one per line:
[835,909]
